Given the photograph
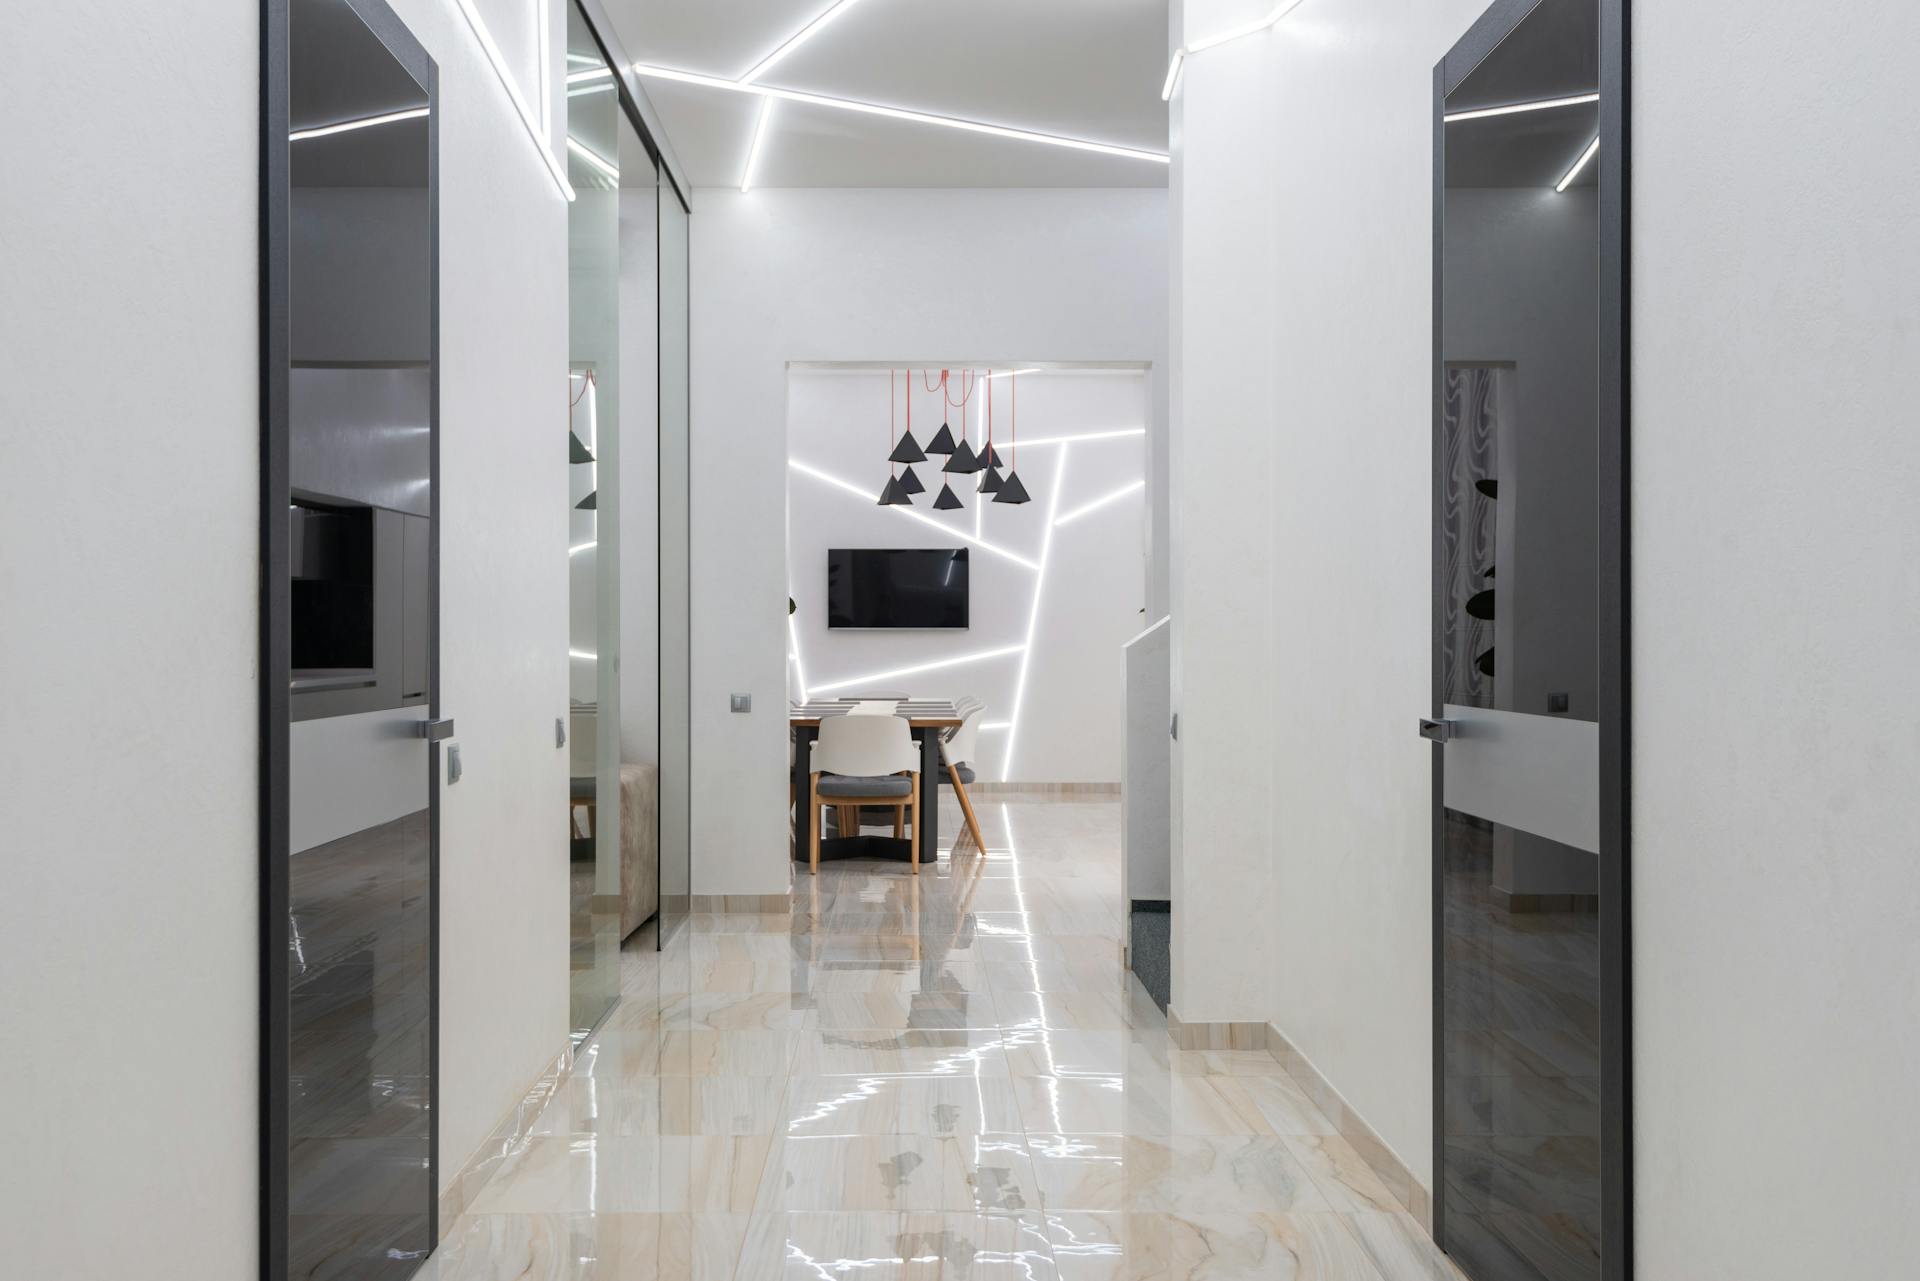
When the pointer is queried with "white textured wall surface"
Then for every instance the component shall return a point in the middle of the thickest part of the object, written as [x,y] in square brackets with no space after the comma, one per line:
[912,275]
[1776,461]
[129,553]
[1054,619]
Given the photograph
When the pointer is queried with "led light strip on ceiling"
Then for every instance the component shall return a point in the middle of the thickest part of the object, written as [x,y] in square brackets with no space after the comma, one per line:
[1181,54]
[899,113]
[753,147]
[364,122]
[1516,108]
[805,34]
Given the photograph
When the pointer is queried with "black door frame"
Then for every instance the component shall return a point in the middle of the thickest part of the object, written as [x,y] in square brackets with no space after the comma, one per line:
[276,650]
[1612,614]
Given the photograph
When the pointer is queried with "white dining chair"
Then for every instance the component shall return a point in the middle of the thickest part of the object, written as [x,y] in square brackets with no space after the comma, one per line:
[957,752]
[863,760]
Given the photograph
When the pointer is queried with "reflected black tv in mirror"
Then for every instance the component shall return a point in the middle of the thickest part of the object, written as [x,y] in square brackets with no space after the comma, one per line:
[912,587]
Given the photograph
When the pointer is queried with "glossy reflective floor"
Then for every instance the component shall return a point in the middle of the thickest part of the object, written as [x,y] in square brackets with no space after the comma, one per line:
[948,1076]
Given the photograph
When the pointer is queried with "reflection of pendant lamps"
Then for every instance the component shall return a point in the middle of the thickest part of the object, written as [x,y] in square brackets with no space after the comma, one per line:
[590,503]
[577,452]
[948,500]
[990,482]
[1011,490]
[1488,486]
[893,495]
[963,460]
[911,483]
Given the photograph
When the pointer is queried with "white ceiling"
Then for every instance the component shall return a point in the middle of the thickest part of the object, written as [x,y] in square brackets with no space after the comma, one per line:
[1088,69]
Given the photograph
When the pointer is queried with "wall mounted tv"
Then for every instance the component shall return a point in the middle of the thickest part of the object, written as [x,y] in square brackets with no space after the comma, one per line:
[911,587]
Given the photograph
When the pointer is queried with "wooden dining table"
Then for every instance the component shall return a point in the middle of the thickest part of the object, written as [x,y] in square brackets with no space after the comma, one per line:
[928,719]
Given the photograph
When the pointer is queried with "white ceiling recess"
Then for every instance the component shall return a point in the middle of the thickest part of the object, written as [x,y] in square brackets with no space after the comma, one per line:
[1088,70]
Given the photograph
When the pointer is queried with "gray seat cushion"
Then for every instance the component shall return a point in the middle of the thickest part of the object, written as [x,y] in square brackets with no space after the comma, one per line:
[582,789]
[855,785]
[964,770]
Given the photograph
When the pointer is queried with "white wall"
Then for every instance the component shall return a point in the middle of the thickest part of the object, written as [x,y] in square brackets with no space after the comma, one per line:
[129,536]
[780,275]
[1054,703]
[129,546]
[1776,882]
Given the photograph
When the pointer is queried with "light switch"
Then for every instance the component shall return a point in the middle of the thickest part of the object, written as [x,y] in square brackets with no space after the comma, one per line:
[742,702]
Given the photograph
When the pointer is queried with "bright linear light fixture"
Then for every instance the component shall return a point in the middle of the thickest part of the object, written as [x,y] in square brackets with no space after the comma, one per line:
[981,543]
[800,37]
[499,64]
[1585,156]
[793,644]
[1515,108]
[1100,502]
[753,148]
[1181,54]
[1086,435]
[959,660]
[594,158]
[1033,616]
[900,113]
[364,122]
[577,548]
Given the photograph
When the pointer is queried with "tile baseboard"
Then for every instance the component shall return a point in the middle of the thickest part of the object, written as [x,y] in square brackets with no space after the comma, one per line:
[1043,789]
[493,1151]
[758,904]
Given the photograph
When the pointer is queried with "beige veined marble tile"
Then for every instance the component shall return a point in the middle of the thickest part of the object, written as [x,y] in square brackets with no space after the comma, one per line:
[1209,1174]
[897,1011]
[704,1052]
[1401,1249]
[946,1052]
[905,1103]
[918,1246]
[1094,1105]
[722,1105]
[1283,1104]
[737,1012]
[1346,1180]
[574,1247]
[1246,1247]
[989,1173]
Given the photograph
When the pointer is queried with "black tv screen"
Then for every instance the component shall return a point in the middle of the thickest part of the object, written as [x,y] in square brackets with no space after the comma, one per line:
[897,587]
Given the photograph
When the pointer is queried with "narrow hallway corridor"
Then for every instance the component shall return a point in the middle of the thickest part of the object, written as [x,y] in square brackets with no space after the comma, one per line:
[942,1076]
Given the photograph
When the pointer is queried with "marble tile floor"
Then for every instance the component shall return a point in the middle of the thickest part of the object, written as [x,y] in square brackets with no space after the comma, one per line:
[942,1076]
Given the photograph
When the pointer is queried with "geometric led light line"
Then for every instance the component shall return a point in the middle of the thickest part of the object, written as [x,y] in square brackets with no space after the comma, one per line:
[527,119]
[1033,617]
[759,138]
[1516,108]
[805,34]
[1087,435]
[858,492]
[1100,502]
[1585,156]
[900,113]
[364,122]
[594,158]
[1180,55]
[940,665]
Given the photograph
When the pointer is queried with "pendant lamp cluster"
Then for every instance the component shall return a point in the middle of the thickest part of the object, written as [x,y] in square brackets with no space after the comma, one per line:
[962,460]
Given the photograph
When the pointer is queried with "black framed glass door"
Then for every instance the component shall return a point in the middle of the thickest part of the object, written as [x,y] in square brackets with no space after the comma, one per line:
[350,689]
[1529,653]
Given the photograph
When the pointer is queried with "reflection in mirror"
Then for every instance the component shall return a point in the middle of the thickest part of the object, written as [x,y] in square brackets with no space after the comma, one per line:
[676,608]
[1517,588]
[358,245]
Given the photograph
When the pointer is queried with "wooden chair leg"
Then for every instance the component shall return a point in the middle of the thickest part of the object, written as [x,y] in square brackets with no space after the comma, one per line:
[913,854]
[899,818]
[849,820]
[813,824]
[966,807]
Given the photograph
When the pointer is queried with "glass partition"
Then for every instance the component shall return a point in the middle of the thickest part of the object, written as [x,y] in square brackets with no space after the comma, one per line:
[676,711]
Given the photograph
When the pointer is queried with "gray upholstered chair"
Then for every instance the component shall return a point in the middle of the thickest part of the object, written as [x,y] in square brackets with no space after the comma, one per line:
[863,760]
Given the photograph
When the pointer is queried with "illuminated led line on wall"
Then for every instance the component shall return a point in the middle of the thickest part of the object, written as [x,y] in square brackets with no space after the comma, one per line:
[981,543]
[961,660]
[499,65]
[1086,435]
[364,122]
[900,113]
[1181,54]
[793,652]
[1033,617]
[800,37]
[753,147]
[593,158]
[577,548]
[1102,501]
[1516,108]
[1586,156]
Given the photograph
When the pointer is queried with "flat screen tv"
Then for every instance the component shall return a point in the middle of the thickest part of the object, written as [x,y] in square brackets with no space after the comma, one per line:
[912,587]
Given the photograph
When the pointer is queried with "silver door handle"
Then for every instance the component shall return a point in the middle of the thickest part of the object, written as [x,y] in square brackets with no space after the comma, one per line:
[434,731]
[1436,731]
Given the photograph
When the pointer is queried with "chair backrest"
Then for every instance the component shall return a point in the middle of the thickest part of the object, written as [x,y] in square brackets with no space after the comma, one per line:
[965,739]
[864,745]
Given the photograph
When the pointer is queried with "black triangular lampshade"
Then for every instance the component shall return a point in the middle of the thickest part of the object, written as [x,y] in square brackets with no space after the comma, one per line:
[948,500]
[1011,490]
[577,452]
[991,458]
[911,483]
[942,442]
[588,504]
[1488,486]
[990,482]
[907,451]
[1480,605]
[963,460]
[893,495]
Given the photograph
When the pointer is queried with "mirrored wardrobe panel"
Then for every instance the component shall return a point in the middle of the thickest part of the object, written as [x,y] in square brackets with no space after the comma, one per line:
[351,544]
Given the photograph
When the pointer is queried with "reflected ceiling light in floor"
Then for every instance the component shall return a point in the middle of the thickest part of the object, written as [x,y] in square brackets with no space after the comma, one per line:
[900,113]
[1102,501]
[364,122]
[1515,108]
[830,479]
[1181,54]
[800,37]
[594,158]
[959,660]
[753,147]
[1585,158]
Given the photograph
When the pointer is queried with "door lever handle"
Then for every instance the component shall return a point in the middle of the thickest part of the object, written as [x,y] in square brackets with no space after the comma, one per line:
[434,731]
[1436,731]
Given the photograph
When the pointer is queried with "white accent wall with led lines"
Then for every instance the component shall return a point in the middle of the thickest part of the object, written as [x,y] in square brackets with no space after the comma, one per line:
[1056,585]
